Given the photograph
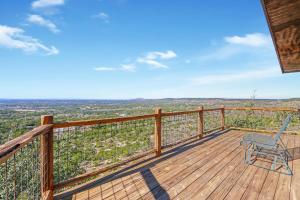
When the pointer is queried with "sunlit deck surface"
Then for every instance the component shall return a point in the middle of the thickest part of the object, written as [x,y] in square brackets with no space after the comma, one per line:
[210,168]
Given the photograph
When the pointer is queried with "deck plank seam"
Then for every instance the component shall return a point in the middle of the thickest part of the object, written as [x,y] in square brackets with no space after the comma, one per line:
[254,172]
[233,141]
[208,169]
[230,162]
[244,169]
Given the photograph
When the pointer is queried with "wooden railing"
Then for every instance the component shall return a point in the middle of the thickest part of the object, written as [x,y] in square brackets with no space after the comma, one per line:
[30,146]
[46,133]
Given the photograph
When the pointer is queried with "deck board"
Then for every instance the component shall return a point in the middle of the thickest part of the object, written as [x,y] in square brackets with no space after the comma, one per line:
[269,187]
[295,184]
[284,182]
[210,168]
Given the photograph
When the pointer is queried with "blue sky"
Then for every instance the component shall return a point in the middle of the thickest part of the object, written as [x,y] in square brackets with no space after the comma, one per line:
[116,49]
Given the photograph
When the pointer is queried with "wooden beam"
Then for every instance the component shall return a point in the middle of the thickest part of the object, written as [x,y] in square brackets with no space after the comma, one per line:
[211,109]
[46,155]
[48,195]
[188,112]
[157,134]
[223,117]
[166,114]
[200,122]
[123,119]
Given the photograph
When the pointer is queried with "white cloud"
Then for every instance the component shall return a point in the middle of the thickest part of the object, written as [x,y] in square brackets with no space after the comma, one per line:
[253,40]
[153,58]
[150,58]
[152,63]
[124,67]
[162,55]
[128,67]
[103,16]
[254,43]
[14,38]
[46,3]
[105,69]
[38,20]
[236,77]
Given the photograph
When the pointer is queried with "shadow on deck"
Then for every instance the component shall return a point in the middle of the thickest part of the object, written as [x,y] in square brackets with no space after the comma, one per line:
[210,168]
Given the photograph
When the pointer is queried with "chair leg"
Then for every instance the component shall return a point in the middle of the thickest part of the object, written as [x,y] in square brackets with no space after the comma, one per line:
[249,154]
[245,152]
[285,160]
[245,156]
[289,171]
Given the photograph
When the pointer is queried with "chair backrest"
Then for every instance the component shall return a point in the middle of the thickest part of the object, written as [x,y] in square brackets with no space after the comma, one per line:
[283,128]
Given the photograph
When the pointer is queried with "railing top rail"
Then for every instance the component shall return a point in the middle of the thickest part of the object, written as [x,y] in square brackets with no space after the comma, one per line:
[101,121]
[189,112]
[263,109]
[123,119]
[11,147]
[179,113]
[213,109]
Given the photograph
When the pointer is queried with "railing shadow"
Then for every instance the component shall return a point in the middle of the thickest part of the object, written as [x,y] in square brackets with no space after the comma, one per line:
[144,170]
[151,180]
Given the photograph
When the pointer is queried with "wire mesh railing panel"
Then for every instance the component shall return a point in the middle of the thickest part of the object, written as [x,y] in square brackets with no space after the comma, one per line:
[212,120]
[20,174]
[264,120]
[82,149]
[179,127]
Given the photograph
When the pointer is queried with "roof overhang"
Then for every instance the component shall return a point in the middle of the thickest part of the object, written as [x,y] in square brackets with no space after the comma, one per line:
[283,18]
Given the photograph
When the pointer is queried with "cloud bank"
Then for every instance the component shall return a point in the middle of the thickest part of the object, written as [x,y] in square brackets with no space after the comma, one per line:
[154,58]
[14,38]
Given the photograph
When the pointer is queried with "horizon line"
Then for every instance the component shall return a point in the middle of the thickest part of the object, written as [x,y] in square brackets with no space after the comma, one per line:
[130,99]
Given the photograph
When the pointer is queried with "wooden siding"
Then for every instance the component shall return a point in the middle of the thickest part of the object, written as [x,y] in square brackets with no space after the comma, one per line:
[283,18]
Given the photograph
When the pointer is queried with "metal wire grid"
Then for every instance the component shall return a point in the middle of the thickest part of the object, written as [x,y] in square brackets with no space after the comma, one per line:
[45,167]
[178,127]
[212,120]
[81,149]
[256,119]
[20,174]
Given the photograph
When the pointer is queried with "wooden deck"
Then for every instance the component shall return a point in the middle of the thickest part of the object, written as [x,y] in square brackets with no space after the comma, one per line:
[210,168]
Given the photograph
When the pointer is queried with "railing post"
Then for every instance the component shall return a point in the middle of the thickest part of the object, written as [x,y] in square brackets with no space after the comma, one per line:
[46,155]
[200,122]
[223,117]
[158,131]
